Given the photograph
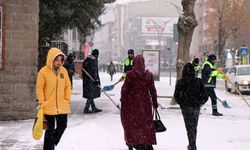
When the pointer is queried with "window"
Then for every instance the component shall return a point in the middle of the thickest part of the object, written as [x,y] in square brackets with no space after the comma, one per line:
[243,71]
[1,39]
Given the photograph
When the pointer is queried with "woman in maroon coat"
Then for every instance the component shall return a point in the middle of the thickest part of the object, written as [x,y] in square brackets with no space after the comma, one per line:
[137,97]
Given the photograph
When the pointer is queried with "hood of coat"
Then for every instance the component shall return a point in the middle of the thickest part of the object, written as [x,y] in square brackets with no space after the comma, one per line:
[139,64]
[52,54]
[188,72]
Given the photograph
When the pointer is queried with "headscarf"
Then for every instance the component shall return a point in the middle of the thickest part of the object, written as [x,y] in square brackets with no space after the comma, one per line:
[139,65]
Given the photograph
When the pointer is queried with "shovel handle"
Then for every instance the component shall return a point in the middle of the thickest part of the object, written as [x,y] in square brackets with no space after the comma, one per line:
[239,92]
[101,89]
[116,83]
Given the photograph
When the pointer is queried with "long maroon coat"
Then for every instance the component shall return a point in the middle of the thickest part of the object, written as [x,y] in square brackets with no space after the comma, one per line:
[136,105]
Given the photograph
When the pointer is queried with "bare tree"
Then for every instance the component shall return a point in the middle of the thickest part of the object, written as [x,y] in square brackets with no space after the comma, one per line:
[186,25]
[226,18]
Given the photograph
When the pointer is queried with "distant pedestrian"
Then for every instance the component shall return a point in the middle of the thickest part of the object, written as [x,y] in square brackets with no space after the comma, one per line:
[111,70]
[190,94]
[127,64]
[53,92]
[69,65]
[138,94]
[90,88]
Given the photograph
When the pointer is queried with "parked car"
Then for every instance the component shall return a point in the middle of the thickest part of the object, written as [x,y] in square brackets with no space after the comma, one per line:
[240,77]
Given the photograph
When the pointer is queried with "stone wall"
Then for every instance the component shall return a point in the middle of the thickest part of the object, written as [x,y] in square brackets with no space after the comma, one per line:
[17,79]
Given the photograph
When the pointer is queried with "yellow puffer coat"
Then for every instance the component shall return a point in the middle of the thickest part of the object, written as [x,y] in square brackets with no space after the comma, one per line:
[53,91]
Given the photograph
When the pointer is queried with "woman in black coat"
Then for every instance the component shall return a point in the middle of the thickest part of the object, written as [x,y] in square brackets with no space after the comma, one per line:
[90,88]
[190,94]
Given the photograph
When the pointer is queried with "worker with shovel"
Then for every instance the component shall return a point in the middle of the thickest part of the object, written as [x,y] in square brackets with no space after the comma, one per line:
[128,64]
[90,88]
[209,75]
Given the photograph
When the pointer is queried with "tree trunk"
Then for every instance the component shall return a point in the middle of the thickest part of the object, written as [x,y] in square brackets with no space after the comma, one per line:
[186,25]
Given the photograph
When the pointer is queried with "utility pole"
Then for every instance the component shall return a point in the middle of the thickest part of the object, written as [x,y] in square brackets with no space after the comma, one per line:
[170,63]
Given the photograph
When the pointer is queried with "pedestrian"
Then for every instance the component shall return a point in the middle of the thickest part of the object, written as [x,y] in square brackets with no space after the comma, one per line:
[111,70]
[190,94]
[127,64]
[209,75]
[53,90]
[195,62]
[138,94]
[69,65]
[90,87]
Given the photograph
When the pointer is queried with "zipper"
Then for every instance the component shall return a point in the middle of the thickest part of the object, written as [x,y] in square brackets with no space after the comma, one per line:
[56,94]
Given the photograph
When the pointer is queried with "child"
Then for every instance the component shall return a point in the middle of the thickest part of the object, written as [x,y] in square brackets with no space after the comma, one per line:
[53,90]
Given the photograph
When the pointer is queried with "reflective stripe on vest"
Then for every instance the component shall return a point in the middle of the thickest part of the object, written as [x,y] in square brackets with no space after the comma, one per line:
[213,73]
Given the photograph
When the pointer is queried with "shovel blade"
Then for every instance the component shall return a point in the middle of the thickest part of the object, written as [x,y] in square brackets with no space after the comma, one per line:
[225,104]
[108,87]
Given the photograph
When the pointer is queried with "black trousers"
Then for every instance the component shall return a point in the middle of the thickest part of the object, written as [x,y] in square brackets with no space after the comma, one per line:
[141,147]
[213,97]
[191,117]
[52,134]
[90,102]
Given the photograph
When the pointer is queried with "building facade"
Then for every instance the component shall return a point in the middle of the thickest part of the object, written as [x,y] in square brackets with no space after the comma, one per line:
[19,58]
[142,25]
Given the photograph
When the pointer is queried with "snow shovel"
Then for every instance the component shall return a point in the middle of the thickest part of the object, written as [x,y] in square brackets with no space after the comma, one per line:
[110,87]
[224,103]
[117,106]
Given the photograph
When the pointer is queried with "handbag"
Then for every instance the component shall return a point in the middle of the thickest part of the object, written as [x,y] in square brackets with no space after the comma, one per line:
[159,126]
[37,130]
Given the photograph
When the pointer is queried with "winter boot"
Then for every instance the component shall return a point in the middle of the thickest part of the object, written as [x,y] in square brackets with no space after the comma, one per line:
[96,110]
[86,110]
[217,114]
[149,147]
[130,147]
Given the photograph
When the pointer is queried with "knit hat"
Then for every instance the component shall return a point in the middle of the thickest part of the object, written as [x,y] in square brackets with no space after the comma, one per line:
[211,57]
[95,53]
[130,51]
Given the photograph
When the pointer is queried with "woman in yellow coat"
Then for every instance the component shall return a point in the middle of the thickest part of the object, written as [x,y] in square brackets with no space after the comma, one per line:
[53,90]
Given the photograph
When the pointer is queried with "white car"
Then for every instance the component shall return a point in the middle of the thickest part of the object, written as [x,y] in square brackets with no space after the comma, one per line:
[239,75]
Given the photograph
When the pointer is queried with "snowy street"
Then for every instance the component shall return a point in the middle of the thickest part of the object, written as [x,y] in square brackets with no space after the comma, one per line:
[103,131]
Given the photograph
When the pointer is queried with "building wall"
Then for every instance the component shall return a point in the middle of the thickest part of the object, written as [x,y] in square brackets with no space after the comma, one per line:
[17,79]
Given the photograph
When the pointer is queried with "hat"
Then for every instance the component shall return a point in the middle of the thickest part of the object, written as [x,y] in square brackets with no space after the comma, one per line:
[95,53]
[211,57]
[130,51]
[196,61]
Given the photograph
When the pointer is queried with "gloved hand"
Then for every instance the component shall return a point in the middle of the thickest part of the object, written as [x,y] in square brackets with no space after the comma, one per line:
[122,79]
[225,77]
[219,70]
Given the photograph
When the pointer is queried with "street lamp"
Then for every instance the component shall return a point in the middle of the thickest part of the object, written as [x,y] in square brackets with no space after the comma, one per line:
[157,29]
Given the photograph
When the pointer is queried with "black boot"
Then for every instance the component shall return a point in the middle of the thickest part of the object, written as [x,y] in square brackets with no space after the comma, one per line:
[96,110]
[150,147]
[86,110]
[130,147]
[217,114]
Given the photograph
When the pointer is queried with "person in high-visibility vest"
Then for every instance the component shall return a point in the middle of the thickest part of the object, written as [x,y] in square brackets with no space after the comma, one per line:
[127,64]
[209,75]
[195,63]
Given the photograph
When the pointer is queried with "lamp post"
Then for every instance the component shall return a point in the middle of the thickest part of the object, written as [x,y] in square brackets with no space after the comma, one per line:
[157,30]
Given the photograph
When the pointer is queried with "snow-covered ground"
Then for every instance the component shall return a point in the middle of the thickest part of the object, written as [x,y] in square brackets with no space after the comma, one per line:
[103,131]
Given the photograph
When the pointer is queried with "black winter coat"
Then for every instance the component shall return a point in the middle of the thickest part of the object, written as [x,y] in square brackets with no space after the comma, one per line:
[189,90]
[90,88]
